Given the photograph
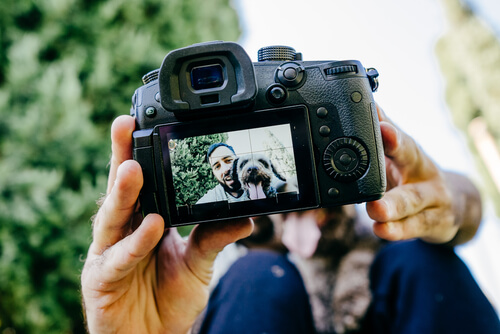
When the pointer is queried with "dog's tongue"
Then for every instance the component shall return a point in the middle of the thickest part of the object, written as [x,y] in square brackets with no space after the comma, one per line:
[301,236]
[255,192]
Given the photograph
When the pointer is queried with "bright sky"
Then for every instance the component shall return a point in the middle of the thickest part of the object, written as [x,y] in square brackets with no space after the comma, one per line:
[397,38]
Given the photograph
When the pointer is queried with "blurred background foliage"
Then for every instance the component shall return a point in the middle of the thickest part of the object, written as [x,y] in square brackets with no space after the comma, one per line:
[469,56]
[67,69]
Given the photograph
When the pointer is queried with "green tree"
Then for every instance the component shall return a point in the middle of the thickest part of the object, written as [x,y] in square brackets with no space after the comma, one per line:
[193,176]
[469,55]
[67,69]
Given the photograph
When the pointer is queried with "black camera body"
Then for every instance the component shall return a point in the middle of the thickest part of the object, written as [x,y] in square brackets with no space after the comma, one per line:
[317,120]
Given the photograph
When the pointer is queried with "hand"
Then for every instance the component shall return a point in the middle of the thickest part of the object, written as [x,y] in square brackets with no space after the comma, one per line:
[422,201]
[139,277]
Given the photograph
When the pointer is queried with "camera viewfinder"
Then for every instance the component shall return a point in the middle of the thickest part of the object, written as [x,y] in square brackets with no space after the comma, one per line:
[205,77]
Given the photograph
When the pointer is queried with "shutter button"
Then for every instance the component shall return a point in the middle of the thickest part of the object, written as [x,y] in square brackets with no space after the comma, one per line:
[290,73]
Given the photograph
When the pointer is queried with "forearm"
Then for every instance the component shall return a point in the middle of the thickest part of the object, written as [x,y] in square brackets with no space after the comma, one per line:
[467,207]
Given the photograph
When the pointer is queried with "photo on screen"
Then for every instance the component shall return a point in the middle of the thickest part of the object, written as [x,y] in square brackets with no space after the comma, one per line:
[260,163]
[244,165]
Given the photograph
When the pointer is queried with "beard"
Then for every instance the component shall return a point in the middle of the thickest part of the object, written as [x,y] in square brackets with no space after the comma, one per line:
[235,186]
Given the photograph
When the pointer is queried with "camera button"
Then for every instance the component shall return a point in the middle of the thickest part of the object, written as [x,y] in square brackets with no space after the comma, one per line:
[333,192]
[290,73]
[345,159]
[322,112]
[276,94]
[150,112]
[324,130]
[356,97]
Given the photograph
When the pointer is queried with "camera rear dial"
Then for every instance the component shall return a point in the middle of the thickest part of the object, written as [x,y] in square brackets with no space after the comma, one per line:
[345,159]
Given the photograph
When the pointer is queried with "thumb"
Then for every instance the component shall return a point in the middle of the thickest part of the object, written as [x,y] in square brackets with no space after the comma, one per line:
[207,240]
[123,257]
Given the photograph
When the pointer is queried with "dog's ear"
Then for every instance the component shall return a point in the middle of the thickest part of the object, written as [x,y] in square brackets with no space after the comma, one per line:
[277,173]
[234,171]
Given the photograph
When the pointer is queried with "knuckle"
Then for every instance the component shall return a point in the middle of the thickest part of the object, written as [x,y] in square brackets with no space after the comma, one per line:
[403,203]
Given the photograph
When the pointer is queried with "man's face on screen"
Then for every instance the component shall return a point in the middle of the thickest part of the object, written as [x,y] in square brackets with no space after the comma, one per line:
[221,161]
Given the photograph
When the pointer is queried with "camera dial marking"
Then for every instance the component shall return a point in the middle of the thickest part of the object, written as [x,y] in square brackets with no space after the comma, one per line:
[345,159]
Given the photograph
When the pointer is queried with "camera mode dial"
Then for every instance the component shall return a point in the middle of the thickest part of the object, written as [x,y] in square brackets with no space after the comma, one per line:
[150,76]
[278,53]
[345,159]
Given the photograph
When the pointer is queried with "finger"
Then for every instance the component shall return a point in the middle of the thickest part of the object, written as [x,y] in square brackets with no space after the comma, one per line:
[405,153]
[390,139]
[121,145]
[207,240]
[430,225]
[406,200]
[113,220]
[393,138]
[390,136]
[382,117]
[124,256]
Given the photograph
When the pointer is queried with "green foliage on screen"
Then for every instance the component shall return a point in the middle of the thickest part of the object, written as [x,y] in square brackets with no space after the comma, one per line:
[192,175]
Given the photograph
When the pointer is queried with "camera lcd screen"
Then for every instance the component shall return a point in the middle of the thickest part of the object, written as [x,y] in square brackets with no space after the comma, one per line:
[245,165]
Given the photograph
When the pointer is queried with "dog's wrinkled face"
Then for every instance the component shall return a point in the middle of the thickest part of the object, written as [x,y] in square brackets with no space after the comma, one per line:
[254,169]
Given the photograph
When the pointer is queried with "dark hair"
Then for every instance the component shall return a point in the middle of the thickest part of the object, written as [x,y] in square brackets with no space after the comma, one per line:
[213,147]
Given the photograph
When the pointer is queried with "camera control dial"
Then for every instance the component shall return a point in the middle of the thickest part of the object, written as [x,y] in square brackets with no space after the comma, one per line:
[277,53]
[345,159]
[150,76]
[341,69]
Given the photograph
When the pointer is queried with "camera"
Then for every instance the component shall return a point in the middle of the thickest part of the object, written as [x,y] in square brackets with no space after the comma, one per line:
[219,136]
